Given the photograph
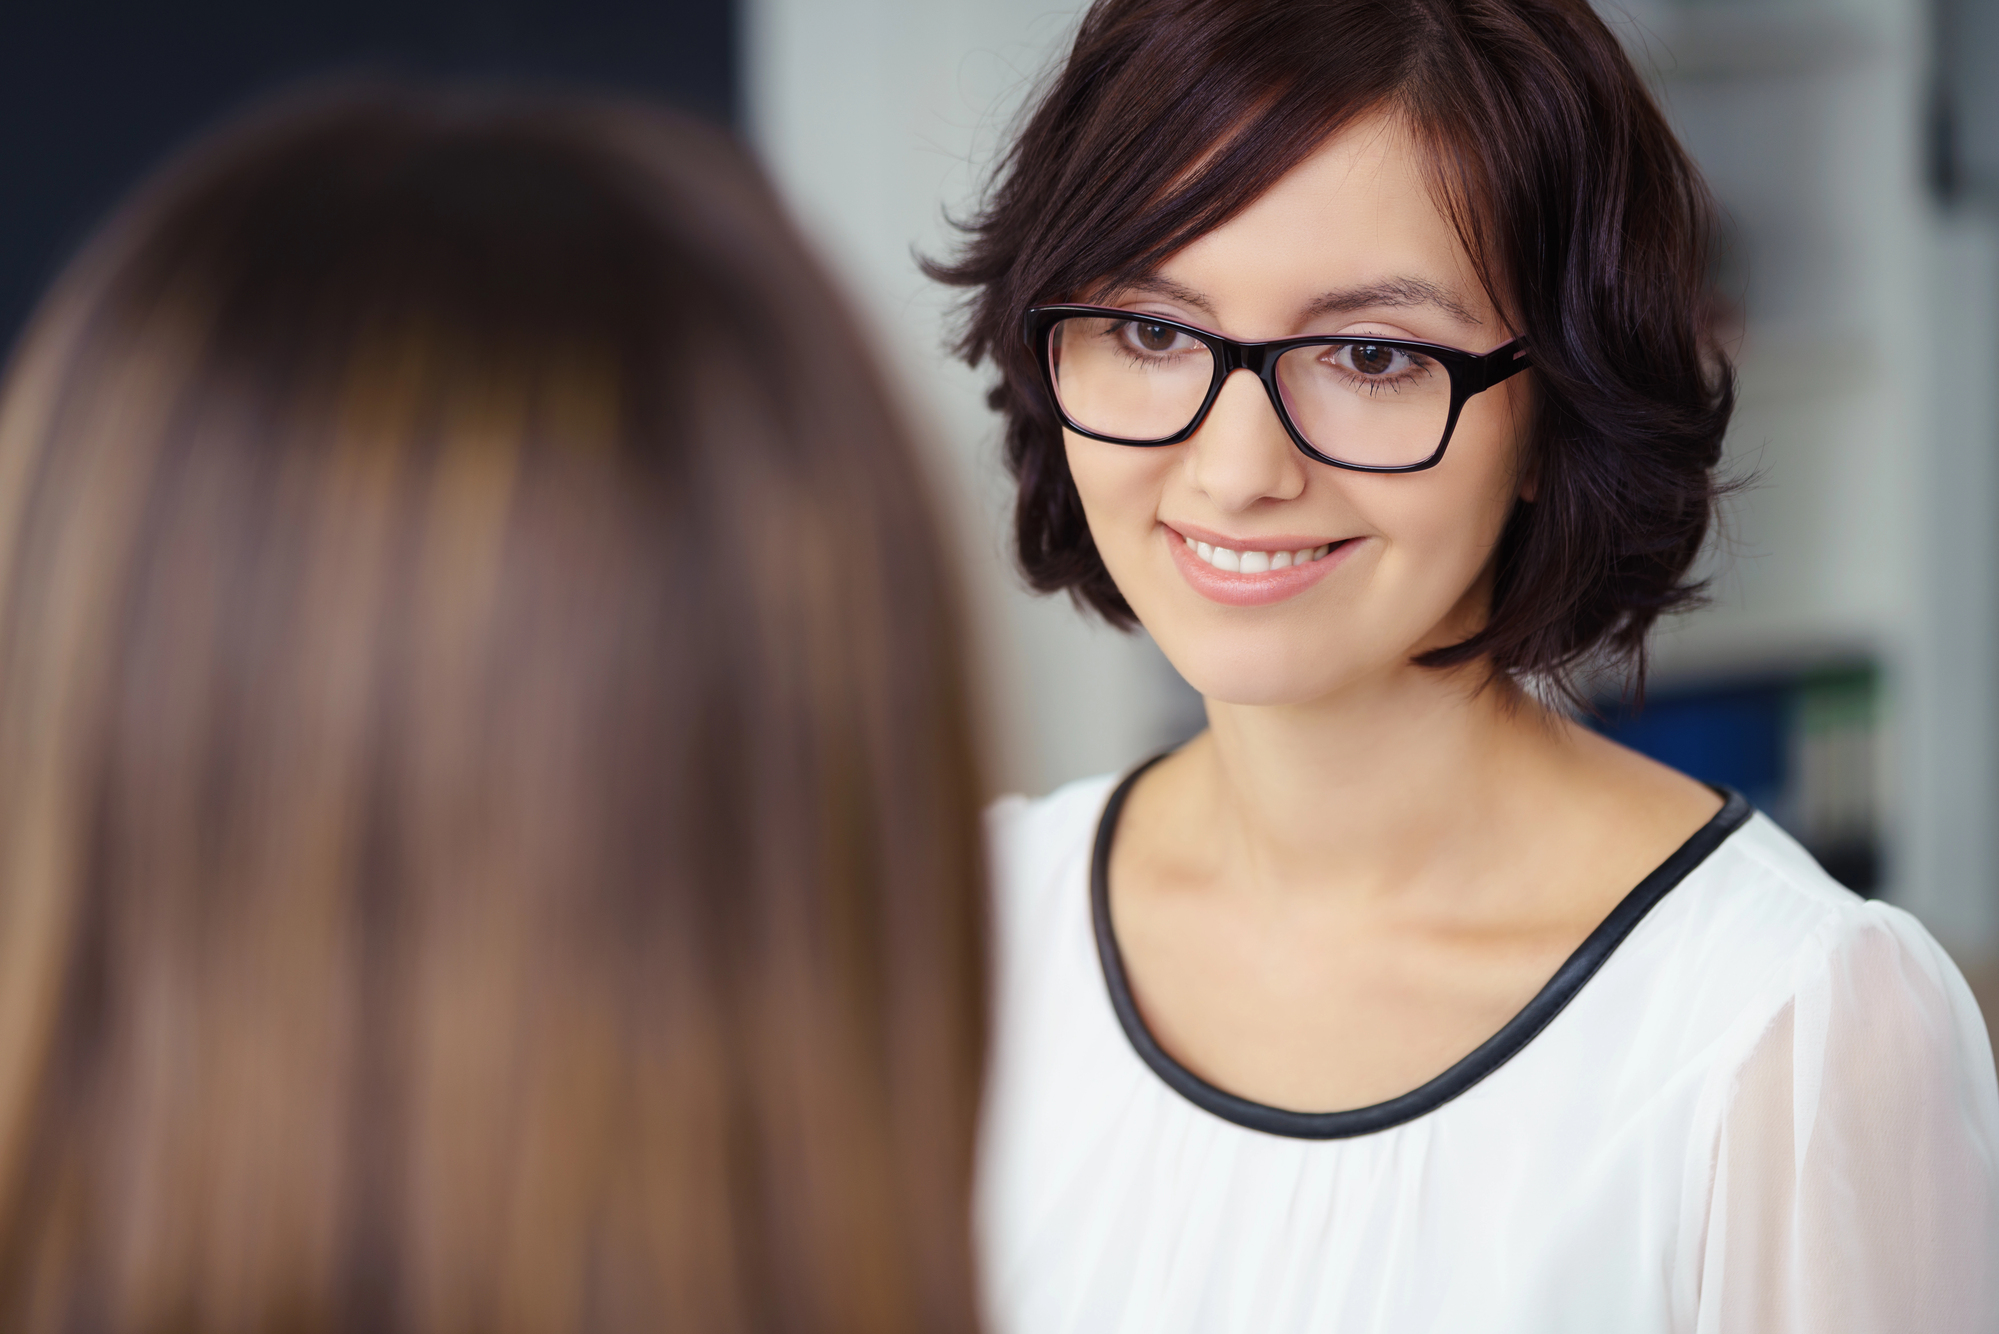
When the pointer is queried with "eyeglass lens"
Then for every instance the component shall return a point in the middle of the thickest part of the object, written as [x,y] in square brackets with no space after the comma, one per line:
[1355,401]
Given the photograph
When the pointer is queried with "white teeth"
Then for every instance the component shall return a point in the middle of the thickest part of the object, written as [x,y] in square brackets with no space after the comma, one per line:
[1255,562]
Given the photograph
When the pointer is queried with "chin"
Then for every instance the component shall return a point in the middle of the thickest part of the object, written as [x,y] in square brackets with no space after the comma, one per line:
[1259,674]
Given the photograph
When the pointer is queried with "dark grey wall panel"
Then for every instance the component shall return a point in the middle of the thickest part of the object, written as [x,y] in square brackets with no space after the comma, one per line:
[94,92]
[1968,62]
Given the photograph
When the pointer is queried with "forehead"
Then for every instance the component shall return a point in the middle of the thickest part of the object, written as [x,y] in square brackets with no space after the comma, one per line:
[1359,215]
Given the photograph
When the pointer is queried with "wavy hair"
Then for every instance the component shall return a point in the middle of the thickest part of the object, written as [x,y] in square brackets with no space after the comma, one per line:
[1587,221]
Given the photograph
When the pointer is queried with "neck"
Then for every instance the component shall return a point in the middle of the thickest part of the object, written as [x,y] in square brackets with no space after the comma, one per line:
[1376,786]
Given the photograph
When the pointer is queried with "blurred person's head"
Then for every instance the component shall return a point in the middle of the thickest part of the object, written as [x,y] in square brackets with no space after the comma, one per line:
[487,832]
[1459,190]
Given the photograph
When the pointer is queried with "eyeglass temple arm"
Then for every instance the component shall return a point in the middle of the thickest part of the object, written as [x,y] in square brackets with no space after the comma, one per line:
[1503,363]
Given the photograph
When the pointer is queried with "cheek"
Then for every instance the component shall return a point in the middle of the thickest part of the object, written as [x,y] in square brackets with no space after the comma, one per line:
[1120,487]
[1442,525]
[1464,521]
[1457,513]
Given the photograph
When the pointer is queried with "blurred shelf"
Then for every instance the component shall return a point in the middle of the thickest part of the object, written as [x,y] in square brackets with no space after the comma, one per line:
[1723,641]
[1803,745]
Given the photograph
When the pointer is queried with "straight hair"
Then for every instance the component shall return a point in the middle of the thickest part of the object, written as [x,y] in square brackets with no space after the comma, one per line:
[488,829]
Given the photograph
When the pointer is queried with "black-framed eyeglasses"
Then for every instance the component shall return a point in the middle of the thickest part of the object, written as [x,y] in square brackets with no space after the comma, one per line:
[1370,404]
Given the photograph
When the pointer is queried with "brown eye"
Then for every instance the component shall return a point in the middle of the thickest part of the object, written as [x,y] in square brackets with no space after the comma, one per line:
[1154,337]
[1373,358]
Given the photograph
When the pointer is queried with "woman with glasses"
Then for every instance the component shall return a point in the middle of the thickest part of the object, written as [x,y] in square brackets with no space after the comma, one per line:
[488,833]
[1359,351]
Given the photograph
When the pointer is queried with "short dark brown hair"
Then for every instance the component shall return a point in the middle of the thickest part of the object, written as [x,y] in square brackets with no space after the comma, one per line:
[488,828]
[1588,224]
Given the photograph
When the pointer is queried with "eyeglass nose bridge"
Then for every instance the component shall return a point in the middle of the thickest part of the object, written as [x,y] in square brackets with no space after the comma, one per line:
[1259,359]
[1256,358]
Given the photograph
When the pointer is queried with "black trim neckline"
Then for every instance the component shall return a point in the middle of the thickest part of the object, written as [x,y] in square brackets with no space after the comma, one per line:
[1494,1052]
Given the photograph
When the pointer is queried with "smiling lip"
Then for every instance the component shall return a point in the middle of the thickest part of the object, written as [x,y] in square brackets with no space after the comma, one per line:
[1256,588]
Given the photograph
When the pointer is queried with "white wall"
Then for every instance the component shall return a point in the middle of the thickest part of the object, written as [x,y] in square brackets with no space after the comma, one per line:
[875,116]
[1952,879]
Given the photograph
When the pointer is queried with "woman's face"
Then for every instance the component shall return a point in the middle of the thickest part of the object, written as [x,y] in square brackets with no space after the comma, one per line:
[1350,242]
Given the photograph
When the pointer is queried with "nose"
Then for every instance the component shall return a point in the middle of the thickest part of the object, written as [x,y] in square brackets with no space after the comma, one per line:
[1242,455]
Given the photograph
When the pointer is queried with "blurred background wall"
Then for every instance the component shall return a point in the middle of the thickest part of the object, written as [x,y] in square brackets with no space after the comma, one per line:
[1843,675]
[94,92]
[880,119]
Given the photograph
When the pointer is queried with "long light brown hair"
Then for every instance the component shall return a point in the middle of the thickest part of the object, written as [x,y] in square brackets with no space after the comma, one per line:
[487,820]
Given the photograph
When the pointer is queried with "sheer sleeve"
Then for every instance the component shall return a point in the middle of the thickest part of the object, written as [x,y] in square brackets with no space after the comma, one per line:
[1856,1179]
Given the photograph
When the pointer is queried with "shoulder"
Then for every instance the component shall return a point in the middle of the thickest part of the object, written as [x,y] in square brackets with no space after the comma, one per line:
[1037,845]
[1760,898]
[1763,939]
[1026,834]
[1856,1104]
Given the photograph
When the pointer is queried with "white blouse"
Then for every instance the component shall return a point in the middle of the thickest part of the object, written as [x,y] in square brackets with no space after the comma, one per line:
[1750,1102]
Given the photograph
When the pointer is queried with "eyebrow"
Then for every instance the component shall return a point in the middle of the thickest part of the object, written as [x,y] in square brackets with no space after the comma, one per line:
[1391,292]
